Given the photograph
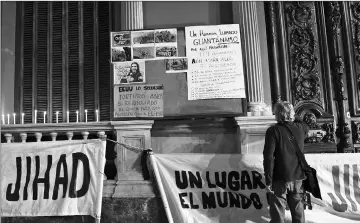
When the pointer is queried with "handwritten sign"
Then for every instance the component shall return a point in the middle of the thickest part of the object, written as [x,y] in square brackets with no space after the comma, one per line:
[215,67]
[138,101]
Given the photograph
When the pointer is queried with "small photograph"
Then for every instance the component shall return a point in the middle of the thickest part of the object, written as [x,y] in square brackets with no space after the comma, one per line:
[165,36]
[143,37]
[143,53]
[166,51]
[129,72]
[176,65]
[120,54]
[121,39]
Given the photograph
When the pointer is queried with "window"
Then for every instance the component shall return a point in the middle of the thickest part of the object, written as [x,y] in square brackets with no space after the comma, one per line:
[62,60]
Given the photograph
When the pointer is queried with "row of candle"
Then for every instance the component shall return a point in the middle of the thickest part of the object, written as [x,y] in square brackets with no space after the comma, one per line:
[56,113]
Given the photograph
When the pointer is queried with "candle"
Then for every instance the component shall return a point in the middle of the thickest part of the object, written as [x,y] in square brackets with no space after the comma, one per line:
[44,117]
[8,118]
[35,116]
[85,115]
[67,116]
[14,118]
[57,117]
[3,119]
[22,118]
[77,116]
[97,115]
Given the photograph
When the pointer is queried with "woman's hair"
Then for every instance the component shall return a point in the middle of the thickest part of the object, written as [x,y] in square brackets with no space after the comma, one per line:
[138,67]
[284,112]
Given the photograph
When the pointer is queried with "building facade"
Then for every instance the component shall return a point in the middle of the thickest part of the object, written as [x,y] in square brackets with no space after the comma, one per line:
[55,57]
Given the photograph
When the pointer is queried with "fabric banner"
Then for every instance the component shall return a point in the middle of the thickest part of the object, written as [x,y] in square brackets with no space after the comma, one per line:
[52,178]
[199,188]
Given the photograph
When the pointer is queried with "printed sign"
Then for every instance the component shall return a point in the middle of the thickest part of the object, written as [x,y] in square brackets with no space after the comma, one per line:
[230,188]
[52,178]
[138,101]
[215,62]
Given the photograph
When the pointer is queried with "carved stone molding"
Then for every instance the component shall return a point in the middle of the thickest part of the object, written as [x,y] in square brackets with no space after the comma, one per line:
[354,11]
[318,132]
[356,132]
[304,52]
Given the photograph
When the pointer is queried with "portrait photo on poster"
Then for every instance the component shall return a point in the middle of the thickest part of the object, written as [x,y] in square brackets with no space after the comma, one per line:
[176,65]
[129,72]
[120,54]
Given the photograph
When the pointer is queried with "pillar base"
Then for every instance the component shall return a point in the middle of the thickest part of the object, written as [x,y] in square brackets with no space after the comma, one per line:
[255,106]
[134,188]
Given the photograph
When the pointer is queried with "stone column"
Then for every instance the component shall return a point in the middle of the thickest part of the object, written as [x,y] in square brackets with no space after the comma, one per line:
[132,17]
[244,14]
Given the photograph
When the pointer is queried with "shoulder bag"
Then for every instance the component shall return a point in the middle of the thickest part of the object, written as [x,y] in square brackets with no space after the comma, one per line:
[311,183]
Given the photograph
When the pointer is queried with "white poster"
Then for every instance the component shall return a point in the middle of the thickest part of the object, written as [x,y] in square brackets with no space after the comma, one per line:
[52,178]
[139,101]
[215,67]
[227,188]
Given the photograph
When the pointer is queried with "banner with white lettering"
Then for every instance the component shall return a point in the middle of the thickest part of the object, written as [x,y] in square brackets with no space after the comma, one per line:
[52,178]
[198,188]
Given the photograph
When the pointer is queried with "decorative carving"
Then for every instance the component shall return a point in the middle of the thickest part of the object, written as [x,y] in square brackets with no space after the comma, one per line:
[318,133]
[335,18]
[306,87]
[329,136]
[342,130]
[310,119]
[355,15]
[338,79]
[304,53]
[273,20]
[356,132]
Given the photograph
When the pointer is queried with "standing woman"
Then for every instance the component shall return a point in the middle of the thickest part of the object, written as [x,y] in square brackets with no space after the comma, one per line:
[283,173]
[135,75]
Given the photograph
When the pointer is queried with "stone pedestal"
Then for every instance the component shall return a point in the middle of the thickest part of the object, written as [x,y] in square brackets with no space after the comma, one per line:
[251,133]
[130,181]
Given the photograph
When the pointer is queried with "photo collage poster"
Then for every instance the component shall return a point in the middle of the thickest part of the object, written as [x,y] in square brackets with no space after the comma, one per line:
[130,50]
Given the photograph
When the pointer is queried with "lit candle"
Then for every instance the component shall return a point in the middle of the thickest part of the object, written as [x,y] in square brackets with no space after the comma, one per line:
[97,115]
[22,118]
[3,119]
[67,116]
[44,117]
[77,116]
[14,118]
[85,115]
[8,118]
[35,116]
[57,117]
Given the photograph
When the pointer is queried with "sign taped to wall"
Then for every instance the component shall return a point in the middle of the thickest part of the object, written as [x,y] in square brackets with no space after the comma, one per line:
[215,62]
[139,101]
[52,178]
